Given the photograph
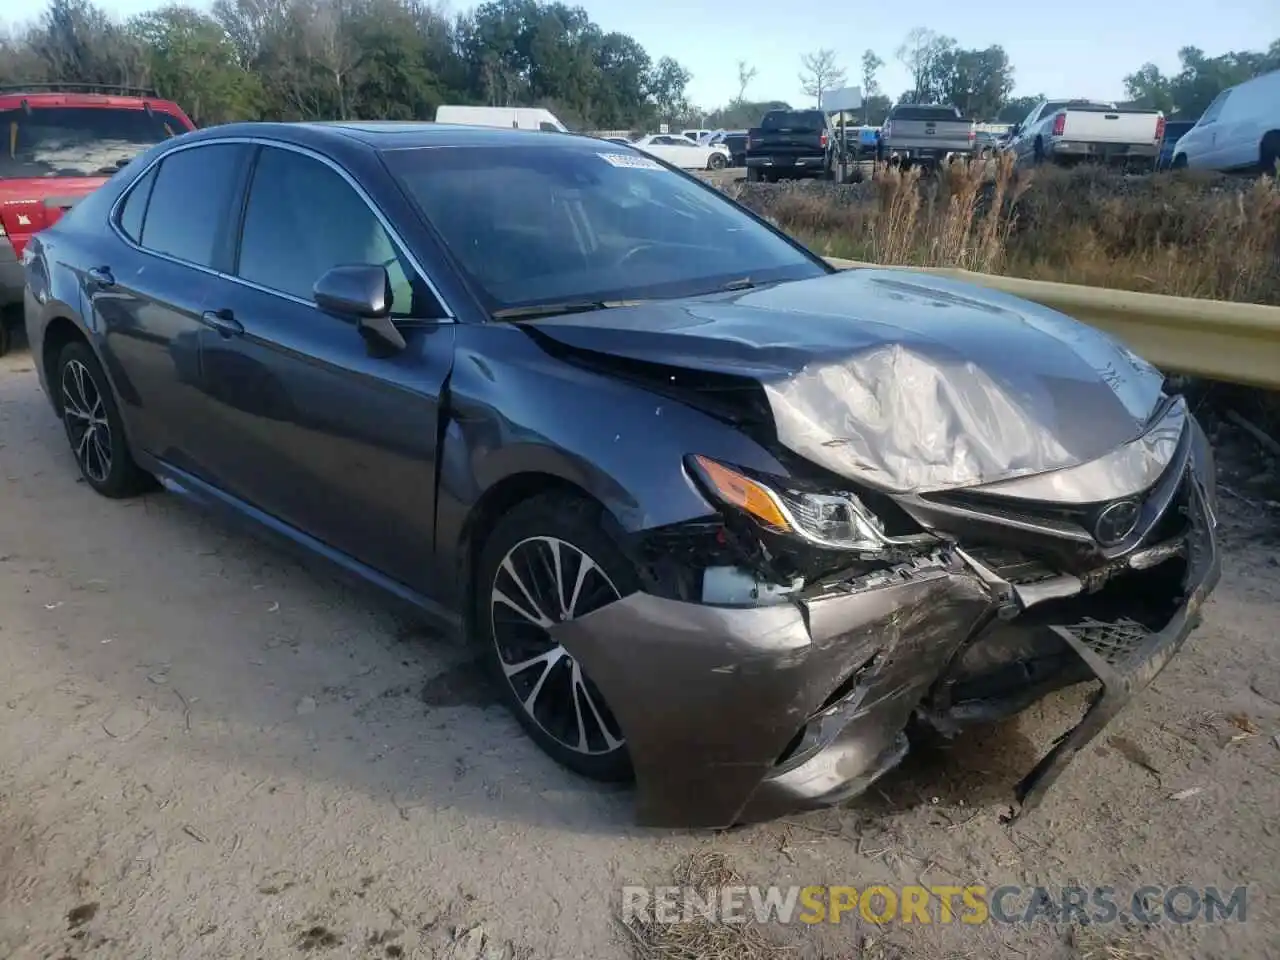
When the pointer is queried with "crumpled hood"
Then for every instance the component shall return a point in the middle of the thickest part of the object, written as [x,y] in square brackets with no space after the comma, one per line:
[907,382]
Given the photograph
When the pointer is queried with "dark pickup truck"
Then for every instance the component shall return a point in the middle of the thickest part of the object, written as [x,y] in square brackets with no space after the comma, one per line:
[789,144]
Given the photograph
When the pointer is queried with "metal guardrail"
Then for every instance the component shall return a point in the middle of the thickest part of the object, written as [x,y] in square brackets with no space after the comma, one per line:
[1216,339]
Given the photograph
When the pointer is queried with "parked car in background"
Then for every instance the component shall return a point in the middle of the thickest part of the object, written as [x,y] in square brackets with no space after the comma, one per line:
[680,151]
[735,141]
[985,143]
[790,144]
[716,516]
[62,141]
[696,135]
[512,118]
[1070,131]
[1239,130]
[1174,130]
[926,133]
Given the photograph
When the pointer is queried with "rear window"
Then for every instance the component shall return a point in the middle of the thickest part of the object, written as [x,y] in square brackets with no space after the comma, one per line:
[78,141]
[794,121]
[914,112]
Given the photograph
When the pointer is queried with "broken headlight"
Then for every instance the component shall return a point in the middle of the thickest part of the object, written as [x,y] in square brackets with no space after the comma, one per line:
[836,520]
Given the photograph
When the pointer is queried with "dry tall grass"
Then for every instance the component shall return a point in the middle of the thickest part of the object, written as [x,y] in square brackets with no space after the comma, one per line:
[1180,234]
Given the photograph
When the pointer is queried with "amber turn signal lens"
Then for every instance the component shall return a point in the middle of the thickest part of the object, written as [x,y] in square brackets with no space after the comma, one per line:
[742,492]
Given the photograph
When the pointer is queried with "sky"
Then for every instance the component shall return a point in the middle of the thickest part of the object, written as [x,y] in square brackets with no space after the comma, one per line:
[1085,53]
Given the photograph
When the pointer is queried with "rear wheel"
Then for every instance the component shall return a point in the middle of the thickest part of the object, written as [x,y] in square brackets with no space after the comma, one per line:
[550,560]
[6,335]
[753,174]
[93,424]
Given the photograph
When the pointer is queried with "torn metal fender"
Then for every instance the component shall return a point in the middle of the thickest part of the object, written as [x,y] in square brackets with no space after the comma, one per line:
[709,697]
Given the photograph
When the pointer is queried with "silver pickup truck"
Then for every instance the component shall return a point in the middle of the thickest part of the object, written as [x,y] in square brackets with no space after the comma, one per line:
[1066,131]
[926,133]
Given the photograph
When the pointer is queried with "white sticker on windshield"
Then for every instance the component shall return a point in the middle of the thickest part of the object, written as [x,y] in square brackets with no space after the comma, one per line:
[631,161]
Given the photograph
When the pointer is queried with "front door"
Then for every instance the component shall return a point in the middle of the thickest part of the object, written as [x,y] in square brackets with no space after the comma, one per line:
[309,427]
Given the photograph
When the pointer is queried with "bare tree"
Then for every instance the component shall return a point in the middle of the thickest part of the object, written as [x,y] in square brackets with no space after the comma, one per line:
[921,53]
[871,65]
[819,73]
[328,44]
[745,75]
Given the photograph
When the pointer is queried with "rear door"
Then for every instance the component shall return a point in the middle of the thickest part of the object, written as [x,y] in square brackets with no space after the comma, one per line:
[1107,124]
[793,135]
[305,424]
[932,128]
[169,236]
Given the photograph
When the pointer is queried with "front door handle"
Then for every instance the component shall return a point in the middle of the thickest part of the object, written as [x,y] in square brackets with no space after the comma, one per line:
[223,321]
[101,276]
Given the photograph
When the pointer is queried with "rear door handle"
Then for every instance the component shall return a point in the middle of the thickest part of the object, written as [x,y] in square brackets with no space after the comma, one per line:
[223,321]
[101,276]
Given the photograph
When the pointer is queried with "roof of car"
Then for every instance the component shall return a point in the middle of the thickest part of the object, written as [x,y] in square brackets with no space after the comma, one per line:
[392,135]
[12,98]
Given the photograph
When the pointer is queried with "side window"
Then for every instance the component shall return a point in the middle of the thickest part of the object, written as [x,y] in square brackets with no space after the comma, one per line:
[193,190]
[1215,108]
[135,206]
[302,220]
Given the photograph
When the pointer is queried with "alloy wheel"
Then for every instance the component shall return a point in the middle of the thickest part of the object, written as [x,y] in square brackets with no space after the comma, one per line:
[543,581]
[85,416]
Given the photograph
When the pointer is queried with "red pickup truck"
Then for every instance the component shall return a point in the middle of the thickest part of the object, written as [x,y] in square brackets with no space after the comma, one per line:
[59,142]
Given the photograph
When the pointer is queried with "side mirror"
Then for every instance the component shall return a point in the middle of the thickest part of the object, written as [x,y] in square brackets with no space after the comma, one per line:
[363,291]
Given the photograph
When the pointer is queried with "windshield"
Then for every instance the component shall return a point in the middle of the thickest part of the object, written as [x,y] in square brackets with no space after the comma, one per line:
[800,120]
[587,221]
[924,113]
[78,141]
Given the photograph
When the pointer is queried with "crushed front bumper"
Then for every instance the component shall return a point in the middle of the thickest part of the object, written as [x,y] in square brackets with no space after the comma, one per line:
[741,714]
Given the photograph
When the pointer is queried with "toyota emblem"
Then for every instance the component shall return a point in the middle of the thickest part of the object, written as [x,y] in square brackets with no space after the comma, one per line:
[1116,521]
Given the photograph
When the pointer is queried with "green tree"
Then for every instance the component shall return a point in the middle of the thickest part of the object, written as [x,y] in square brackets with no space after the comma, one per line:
[193,61]
[977,81]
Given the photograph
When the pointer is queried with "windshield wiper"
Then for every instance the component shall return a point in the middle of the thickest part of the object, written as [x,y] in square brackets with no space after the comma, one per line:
[744,283]
[535,310]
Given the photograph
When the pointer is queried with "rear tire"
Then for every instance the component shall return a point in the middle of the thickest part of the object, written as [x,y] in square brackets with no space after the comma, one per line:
[552,551]
[753,174]
[6,335]
[94,426]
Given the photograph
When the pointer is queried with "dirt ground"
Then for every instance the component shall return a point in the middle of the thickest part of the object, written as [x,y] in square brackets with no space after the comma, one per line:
[211,750]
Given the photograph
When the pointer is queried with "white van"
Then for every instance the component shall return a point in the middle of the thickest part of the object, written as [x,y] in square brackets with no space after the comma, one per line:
[1240,130]
[512,118]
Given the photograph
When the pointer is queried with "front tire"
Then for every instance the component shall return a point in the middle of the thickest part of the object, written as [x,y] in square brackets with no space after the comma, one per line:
[6,335]
[552,559]
[716,162]
[1269,154]
[94,426]
[753,174]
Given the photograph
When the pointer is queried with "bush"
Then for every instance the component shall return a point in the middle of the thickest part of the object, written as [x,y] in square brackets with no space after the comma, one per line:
[1181,233]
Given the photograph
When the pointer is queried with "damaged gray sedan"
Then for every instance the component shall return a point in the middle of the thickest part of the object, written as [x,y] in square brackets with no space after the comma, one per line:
[720,518]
